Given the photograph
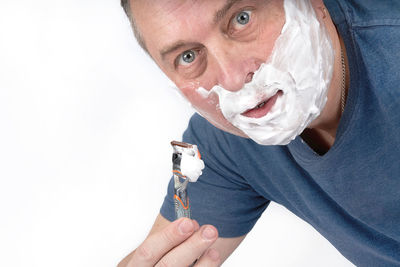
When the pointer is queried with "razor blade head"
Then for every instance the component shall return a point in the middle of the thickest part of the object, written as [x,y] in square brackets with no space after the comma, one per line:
[181,144]
[182,147]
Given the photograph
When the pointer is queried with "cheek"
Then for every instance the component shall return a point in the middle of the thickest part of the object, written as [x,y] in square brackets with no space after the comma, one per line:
[269,29]
[205,106]
[267,39]
[208,108]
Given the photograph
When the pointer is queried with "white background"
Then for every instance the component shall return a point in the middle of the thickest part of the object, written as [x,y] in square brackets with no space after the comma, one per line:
[85,124]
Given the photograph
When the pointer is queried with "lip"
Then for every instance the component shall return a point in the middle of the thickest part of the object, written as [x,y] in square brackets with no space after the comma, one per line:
[259,112]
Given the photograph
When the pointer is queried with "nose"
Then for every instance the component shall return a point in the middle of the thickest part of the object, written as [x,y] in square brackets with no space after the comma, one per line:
[234,68]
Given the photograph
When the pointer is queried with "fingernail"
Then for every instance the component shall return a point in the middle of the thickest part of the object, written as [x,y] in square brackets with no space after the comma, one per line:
[213,254]
[208,233]
[196,225]
[186,226]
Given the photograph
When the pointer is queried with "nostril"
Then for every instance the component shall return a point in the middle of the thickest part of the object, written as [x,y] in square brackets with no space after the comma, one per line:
[249,77]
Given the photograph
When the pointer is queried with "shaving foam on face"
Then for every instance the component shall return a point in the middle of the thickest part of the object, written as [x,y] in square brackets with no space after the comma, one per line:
[300,68]
[191,164]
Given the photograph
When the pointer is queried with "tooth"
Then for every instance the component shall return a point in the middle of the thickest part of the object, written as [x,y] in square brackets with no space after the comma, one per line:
[261,105]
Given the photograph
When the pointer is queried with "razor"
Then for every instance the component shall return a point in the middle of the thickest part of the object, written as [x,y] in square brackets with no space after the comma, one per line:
[181,199]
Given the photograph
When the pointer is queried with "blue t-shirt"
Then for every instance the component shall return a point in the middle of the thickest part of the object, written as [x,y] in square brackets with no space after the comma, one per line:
[351,195]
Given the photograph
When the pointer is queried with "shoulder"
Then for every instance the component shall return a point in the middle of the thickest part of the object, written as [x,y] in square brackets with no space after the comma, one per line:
[371,32]
[365,13]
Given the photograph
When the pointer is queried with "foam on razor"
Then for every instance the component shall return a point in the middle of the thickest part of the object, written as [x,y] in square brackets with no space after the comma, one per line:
[191,163]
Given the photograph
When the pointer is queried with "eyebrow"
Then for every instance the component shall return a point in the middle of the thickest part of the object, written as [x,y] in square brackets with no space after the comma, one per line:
[171,48]
[218,16]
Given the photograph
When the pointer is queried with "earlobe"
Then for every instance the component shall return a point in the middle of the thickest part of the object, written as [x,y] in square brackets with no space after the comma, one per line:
[324,12]
[320,8]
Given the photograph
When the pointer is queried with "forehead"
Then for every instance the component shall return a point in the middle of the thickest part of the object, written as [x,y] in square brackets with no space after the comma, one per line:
[161,22]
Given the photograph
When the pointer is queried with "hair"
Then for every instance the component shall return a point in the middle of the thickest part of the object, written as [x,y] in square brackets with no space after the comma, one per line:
[128,11]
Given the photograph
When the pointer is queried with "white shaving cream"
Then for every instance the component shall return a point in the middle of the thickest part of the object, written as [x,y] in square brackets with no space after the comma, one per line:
[191,164]
[300,67]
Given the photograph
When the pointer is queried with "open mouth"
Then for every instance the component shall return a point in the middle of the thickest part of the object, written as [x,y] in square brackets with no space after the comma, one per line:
[263,107]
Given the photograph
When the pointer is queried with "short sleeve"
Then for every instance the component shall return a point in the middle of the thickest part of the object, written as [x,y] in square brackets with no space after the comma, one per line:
[221,197]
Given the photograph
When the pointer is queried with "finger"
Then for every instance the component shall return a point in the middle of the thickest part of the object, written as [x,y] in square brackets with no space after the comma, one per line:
[159,243]
[196,225]
[209,259]
[186,253]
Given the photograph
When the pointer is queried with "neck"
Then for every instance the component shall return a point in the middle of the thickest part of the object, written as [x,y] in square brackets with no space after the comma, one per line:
[321,133]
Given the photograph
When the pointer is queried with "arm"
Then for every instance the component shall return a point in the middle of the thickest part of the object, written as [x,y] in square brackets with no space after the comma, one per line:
[184,246]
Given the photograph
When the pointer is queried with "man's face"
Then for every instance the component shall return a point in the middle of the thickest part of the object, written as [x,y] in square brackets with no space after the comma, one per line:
[209,42]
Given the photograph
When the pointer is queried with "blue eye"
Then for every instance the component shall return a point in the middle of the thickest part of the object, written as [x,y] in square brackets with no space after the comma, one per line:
[243,17]
[187,57]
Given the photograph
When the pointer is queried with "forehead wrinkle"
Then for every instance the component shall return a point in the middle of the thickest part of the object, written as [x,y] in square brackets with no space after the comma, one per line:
[173,6]
[177,9]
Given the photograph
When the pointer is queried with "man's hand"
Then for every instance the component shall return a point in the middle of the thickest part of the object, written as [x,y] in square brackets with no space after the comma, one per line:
[179,244]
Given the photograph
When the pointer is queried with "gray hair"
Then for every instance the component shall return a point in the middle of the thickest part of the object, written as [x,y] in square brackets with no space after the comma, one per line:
[128,11]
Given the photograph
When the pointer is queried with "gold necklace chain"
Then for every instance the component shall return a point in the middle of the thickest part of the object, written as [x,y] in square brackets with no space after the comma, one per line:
[343,92]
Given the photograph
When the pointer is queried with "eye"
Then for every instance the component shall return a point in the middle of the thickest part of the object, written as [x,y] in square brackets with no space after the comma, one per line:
[187,57]
[191,63]
[242,18]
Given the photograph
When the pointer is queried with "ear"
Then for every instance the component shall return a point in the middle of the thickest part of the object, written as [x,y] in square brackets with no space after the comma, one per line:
[320,9]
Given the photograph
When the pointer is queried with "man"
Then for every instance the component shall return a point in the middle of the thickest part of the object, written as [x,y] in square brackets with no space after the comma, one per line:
[304,97]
